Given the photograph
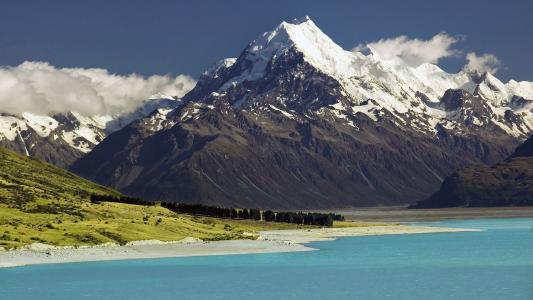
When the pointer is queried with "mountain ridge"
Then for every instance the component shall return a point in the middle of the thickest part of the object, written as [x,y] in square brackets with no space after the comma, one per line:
[508,183]
[60,139]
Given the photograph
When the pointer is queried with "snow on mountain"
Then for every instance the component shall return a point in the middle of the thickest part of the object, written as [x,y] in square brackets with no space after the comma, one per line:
[395,86]
[519,88]
[492,89]
[333,81]
[77,131]
[222,64]
[10,126]
[42,125]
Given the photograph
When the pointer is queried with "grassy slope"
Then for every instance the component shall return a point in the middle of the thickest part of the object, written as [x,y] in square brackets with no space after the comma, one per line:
[118,223]
[42,203]
[24,180]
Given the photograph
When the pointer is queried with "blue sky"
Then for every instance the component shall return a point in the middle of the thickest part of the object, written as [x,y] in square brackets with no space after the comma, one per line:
[185,37]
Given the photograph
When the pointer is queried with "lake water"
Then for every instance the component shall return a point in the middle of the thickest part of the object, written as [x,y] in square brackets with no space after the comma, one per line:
[493,264]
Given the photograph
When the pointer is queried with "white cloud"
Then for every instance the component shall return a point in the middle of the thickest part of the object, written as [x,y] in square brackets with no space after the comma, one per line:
[413,51]
[483,63]
[39,87]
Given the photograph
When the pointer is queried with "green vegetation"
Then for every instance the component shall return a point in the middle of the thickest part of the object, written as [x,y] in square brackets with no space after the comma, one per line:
[84,223]
[25,183]
[42,203]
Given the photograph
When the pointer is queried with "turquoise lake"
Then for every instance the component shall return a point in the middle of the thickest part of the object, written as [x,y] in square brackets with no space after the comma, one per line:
[493,264]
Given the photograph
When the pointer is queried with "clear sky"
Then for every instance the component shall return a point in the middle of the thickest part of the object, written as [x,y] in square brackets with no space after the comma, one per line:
[185,37]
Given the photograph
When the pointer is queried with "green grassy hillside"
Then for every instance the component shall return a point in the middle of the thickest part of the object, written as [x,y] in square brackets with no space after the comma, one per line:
[25,182]
[42,203]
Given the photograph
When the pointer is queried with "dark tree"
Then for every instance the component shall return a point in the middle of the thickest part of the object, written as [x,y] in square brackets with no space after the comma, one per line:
[225,213]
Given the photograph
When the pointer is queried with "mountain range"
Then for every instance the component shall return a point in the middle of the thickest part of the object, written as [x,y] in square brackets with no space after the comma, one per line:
[62,138]
[297,122]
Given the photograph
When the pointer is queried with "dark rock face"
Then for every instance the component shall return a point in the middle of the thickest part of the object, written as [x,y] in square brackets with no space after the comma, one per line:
[509,183]
[474,113]
[453,99]
[229,156]
[470,109]
[524,150]
[519,102]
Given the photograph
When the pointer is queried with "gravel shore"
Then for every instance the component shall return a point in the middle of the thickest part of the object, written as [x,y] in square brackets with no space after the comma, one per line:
[268,242]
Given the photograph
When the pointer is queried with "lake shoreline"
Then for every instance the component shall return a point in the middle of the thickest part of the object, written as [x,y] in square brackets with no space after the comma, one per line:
[275,241]
[402,214]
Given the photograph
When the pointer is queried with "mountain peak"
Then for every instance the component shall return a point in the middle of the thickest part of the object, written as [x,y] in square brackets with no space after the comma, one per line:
[298,21]
[302,32]
[301,35]
[304,36]
[430,68]
[488,77]
[491,88]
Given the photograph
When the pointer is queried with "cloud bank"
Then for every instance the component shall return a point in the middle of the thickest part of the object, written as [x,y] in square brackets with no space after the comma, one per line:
[483,63]
[413,51]
[41,88]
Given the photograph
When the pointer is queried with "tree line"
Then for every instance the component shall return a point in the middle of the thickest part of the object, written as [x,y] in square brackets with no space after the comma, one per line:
[311,218]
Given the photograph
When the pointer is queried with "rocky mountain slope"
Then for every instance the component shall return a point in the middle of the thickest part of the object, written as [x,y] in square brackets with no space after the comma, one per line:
[297,122]
[62,138]
[509,183]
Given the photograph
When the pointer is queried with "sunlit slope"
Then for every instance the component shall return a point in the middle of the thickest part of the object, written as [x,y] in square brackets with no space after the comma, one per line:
[45,204]
[24,180]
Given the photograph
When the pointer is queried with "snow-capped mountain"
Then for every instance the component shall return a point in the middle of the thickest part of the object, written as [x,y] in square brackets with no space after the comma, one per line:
[62,138]
[296,122]
[363,83]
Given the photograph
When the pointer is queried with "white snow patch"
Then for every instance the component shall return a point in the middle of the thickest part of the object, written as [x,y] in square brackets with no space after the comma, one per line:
[43,125]
[69,137]
[9,127]
[286,114]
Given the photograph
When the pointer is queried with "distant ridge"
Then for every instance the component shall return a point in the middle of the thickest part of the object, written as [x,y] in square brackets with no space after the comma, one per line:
[60,139]
[509,183]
